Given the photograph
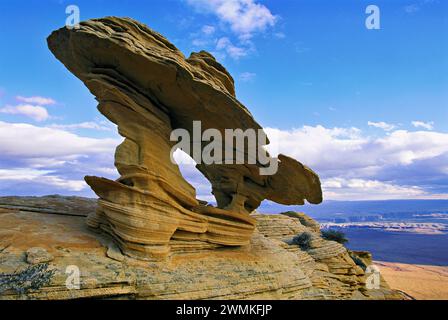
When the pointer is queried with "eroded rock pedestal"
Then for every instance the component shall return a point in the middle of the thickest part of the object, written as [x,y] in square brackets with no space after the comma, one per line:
[146,86]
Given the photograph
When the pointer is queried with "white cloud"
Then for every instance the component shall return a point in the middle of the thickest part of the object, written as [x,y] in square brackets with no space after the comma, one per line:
[382,125]
[41,177]
[36,113]
[208,30]
[345,149]
[233,51]
[41,101]
[204,38]
[247,76]
[83,125]
[29,141]
[41,160]
[21,174]
[403,163]
[355,166]
[107,171]
[352,165]
[425,125]
[353,189]
[245,17]
[201,43]
[406,147]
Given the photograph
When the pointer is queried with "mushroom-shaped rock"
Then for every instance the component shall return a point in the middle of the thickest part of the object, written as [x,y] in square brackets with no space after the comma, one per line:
[146,86]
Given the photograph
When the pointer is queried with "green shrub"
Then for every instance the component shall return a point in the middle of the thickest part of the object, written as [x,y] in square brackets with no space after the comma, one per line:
[334,235]
[303,240]
[358,261]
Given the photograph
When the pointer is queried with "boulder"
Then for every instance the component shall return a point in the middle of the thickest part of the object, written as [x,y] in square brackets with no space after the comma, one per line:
[38,255]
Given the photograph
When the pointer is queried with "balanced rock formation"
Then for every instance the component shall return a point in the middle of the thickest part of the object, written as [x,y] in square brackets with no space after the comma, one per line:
[146,86]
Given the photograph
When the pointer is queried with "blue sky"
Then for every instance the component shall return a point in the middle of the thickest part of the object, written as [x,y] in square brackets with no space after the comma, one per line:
[367,109]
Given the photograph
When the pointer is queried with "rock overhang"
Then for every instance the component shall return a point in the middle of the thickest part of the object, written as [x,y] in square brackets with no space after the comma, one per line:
[146,86]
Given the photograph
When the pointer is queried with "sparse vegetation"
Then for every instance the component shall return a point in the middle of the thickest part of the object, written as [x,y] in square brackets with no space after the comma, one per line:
[32,278]
[334,235]
[303,240]
[358,261]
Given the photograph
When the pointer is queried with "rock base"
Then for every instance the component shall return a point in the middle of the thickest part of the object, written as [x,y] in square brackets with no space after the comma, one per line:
[267,268]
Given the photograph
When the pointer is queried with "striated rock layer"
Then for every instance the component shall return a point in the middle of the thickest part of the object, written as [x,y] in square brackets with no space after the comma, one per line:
[269,267]
[146,86]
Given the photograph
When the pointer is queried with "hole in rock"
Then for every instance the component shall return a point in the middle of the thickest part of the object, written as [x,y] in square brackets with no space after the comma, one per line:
[187,167]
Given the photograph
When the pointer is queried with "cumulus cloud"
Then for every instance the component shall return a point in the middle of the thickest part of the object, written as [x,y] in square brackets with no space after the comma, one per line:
[245,17]
[26,140]
[382,125]
[31,107]
[353,189]
[43,160]
[43,177]
[233,51]
[352,165]
[424,125]
[402,164]
[349,148]
[37,100]
[37,113]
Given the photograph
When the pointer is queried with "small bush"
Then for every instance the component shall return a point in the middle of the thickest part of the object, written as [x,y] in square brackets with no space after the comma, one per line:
[32,278]
[334,235]
[358,261]
[303,240]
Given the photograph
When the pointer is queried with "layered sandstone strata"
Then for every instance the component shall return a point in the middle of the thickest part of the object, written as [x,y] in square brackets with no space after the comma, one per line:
[269,267]
[146,86]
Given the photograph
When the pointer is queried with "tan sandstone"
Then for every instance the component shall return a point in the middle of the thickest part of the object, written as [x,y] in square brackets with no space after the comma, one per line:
[266,268]
[146,86]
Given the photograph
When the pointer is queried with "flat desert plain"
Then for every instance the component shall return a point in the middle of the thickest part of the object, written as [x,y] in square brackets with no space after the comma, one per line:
[422,282]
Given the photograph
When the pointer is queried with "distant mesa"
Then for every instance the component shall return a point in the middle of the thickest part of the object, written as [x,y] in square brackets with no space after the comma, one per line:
[146,86]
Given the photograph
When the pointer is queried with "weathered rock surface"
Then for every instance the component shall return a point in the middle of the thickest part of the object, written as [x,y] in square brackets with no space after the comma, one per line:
[266,268]
[57,204]
[38,255]
[146,86]
[304,220]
